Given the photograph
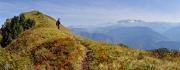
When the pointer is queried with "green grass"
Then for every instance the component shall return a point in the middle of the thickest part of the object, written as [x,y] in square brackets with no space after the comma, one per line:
[45,32]
[115,57]
[46,47]
[0,39]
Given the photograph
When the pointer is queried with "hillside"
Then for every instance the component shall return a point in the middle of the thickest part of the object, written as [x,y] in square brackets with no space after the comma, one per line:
[45,47]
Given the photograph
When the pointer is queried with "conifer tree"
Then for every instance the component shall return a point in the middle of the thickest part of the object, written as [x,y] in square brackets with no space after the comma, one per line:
[13,27]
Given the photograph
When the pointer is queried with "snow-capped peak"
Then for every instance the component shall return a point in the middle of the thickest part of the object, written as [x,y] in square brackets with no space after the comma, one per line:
[129,21]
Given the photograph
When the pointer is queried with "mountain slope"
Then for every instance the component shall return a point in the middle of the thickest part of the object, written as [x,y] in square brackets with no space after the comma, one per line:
[47,48]
[45,45]
[95,36]
[173,33]
[135,37]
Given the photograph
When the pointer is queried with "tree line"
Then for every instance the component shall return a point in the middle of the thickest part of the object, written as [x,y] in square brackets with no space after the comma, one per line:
[13,27]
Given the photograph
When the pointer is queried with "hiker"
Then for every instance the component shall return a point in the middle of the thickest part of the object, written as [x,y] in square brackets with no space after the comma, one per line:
[58,23]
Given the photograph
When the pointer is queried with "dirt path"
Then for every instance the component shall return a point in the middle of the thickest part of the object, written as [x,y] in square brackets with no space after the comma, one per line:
[87,58]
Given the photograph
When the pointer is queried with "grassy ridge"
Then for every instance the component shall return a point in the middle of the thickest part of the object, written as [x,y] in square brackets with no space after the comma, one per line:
[46,47]
[29,46]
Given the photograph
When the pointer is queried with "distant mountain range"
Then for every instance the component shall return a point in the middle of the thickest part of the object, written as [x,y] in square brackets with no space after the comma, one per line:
[136,34]
[157,26]
[46,47]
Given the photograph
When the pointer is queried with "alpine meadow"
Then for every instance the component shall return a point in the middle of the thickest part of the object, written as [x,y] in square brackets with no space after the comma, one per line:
[42,36]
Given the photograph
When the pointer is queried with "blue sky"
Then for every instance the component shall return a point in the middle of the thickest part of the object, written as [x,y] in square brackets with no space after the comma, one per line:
[95,12]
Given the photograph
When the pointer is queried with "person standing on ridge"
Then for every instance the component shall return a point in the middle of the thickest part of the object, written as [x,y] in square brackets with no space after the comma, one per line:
[58,23]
